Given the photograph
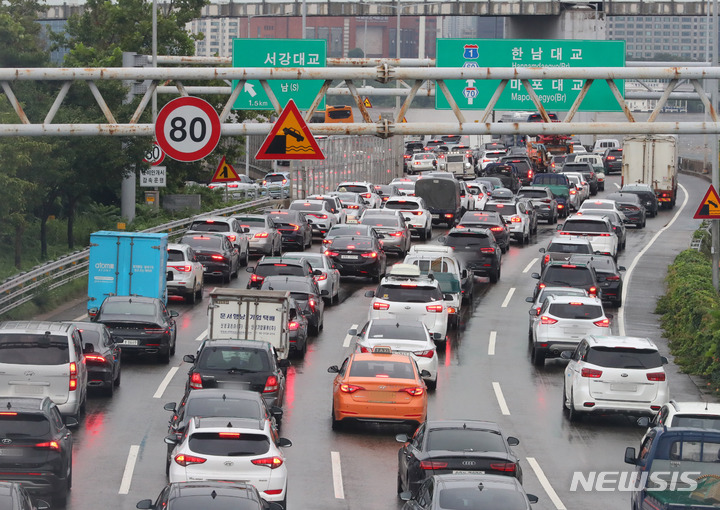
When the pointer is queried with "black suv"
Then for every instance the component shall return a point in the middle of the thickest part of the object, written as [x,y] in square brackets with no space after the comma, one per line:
[279,266]
[477,248]
[612,159]
[647,196]
[508,173]
[523,165]
[491,220]
[36,446]
[562,274]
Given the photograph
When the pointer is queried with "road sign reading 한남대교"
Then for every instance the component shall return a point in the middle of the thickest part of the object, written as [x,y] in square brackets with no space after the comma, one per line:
[709,208]
[555,95]
[279,53]
[290,138]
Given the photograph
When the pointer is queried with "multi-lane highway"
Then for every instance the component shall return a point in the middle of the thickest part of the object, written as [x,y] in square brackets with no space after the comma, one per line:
[485,373]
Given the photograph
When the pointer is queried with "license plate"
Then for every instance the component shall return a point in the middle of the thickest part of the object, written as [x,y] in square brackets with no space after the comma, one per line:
[29,390]
[623,387]
[130,342]
[10,452]
[468,472]
[436,216]
[349,257]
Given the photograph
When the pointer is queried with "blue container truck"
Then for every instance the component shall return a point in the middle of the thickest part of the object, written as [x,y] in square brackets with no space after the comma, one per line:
[127,263]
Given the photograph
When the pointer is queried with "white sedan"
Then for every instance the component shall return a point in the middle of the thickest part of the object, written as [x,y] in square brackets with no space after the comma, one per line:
[184,273]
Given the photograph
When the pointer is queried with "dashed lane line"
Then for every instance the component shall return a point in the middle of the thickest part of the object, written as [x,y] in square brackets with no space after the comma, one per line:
[530,265]
[501,399]
[165,382]
[129,468]
[491,345]
[545,483]
[337,475]
[202,336]
[508,297]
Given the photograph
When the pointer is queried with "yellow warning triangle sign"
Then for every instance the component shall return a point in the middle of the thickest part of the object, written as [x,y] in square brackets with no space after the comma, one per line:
[225,172]
[709,207]
[290,138]
[404,120]
[367,103]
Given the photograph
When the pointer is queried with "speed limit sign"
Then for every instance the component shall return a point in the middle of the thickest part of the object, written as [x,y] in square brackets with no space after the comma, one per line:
[154,156]
[187,128]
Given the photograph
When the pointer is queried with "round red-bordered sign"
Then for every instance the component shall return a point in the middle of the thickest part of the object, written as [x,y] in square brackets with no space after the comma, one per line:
[154,156]
[187,128]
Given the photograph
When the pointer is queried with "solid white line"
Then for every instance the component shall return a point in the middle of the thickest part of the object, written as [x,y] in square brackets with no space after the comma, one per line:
[129,468]
[337,475]
[530,265]
[628,273]
[508,297]
[491,346]
[165,382]
[202,336]
[501,400]
[82,317]
[546,484]
[616,185]
[348,338]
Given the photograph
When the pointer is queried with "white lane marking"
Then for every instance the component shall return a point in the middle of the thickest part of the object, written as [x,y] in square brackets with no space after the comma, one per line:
[337,475]
[82,317]
[348,338]
[129,468]
[501,399]
[508,297]
[616,185]
[202,336]
[491,346]
[545,483]
[165,382]
[628,273]
[530,265]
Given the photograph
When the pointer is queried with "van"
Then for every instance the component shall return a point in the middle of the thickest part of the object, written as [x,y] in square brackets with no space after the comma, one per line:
[44,359]
[605,143]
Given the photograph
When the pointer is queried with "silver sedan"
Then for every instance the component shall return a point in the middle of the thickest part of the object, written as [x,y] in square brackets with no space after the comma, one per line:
[329,279]
[264,238]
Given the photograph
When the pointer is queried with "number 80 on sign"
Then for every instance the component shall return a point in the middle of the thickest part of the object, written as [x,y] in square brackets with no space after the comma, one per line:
[187,129]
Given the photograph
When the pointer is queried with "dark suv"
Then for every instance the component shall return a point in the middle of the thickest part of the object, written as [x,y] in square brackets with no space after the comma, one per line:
[647,196]
[562,274]
[588,172]
[523,165]
[491,220]
[612,159]
[36,446]
[279,266]
[477,248]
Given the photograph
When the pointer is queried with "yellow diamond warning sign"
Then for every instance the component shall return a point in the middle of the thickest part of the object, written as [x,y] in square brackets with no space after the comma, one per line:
[709,207]
[290,138]
[367,103]
[225,172]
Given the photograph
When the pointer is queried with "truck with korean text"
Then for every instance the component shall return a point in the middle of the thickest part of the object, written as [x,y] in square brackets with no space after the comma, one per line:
[126,264]
[653,160]
[262,315]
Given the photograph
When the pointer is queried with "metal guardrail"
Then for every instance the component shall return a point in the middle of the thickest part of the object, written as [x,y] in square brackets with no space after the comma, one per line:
[21,288]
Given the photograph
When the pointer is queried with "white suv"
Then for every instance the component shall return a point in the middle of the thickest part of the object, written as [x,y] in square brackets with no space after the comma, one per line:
[597,229]
[317,213]
[614,375]
[366,190]
[187,273]
[417,216]
[406,294]
[701,415]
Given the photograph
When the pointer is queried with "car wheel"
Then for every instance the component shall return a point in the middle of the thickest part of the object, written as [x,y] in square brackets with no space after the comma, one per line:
[537,357]
[617,303]
[495,276]
[428,234]
[191,297]
[643,223]
[110,389]
[165,356]
[245,260]
[572,414]
[399,485]
[227,276]
[423,235]
[431,385]
[117,379]
[199,293]
[336,424]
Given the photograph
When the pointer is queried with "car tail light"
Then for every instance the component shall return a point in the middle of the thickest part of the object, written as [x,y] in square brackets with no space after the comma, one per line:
[425,354]
[603,323]
[284,181]
[415,392]
[5,413]
[196,381]
[370,255]
[507,467]
[229,435]
[73,376]
[54,445]
[332,253]
[256,278]
[530,174]
[497,229]
[217,257]
[294,227]
[432,464]
[656,376]
[271,462]
[613,278]
[487,250]
[350,388]
[547,320]
[364,349]
[449,215]
[591,373]
[311,304]
[293,326]
[592,291]
[541,286]
[264,183]
[271,384]
[515,219]
[95,358]
[434,308]
[380,306]
[572,192]
[538,310]
[451,309]
[546,259]
[185,460]
[182,269]
[261,235]
[610,158]
[232,238]
[365,195]
[396,234]
[321,277]
[560,206]
[232,185]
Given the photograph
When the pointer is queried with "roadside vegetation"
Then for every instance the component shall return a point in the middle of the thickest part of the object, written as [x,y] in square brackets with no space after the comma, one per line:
[691,313]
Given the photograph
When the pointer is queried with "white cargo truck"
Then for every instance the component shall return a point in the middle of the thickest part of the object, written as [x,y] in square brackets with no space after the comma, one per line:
[262,315]
[653,160]
[460,165]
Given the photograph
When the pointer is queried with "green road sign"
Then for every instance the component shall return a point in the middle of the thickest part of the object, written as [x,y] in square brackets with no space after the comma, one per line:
[556,95]
[278,53]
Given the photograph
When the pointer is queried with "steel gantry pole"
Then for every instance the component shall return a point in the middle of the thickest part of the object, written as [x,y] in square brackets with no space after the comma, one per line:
[715,225]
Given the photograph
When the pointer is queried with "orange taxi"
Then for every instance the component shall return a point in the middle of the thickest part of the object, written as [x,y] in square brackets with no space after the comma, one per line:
[378,386]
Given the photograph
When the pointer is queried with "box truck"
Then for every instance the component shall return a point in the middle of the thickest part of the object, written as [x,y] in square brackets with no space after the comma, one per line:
[125,264]
[262,315]
[653,160]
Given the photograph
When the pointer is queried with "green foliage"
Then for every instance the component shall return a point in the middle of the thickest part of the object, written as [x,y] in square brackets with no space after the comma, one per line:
[691,315]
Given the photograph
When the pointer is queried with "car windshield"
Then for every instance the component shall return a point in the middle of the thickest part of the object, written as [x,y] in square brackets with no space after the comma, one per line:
[207,226]
[567,291]
[624,357]
[280,270]
[252,222]
[355,188]
[381,369]
[503,209]
[33,349]
[380,221]
[570,276]
[228,444]
[434,265]
[176,256]
[463,498]
[220,502]
[90,336]
[467,240]
[20,424]
[397,331]
[222,406]
[465,440]
[347,231]
[128,307]
[234,359]
[575,311]
[306,206]
[408,293]
[352,243]
[700,421]
[203,243]
[405,205]
[568,248]
[531,193]
[584,226]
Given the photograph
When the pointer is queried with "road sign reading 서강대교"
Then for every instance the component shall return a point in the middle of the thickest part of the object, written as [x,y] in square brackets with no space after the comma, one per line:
[278,53]
[555,95]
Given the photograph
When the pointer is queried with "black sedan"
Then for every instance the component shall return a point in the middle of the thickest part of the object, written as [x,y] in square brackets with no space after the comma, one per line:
[216,253]
[491,220]
[295,229]
[441,447]
[104,360]
[242,364]
[304,289]
[631,206]
[647,196]
[358,256]
[608,276]
[145,324]
[209,496]
[477,248]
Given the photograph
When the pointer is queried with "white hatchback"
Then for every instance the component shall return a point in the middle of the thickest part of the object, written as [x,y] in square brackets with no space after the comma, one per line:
[479,193]
[614,375]
[232,449]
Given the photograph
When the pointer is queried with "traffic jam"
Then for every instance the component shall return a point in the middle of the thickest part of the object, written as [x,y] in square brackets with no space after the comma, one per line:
[404,344]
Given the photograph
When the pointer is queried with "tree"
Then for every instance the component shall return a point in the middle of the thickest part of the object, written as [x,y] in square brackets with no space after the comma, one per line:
[356,53]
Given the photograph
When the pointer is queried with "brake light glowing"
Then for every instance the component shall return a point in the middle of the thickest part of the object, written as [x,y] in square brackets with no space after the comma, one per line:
[95,358]
[547,320]
[591,373]
[396,234]
[365,195]
[196,381]
[229,435]
[425,354]
[613,278]
[434,308]
[370,255]
[321,277]
[293,326]
[561,206]
[332,253]
[516,219]
[449,215]
[232,238]
[271,384]
[380,306]
[415,392]
[487,250]
[656,376]
[432,464]
[256,278]
[186,460]
[271,462]
[262,235]
[546,259]
[572,192]
[53,445]
[592,291]
[182,269]
[350,388]
[497,229]
[5,413]
[507,467]
[217,257]
[73,376]
[294,227]
[603,323]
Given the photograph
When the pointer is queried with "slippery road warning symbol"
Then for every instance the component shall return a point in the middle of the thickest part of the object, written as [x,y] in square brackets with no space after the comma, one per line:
[290,138]
[709,207]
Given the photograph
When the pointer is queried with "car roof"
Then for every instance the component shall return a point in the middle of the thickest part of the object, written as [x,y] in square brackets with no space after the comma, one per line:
[369,356]
[621,341]
[470,230]
[586,300]
[227,342]
[214,219]
[24,404]
[141,299]
[53,327]
[694,407]
[569,240]
[228,393]
[472,424]
[178,246]
[295,280]
[227,423]
[283,259]
[207,488]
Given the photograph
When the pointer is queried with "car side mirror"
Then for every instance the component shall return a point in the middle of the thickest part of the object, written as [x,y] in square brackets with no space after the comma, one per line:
[283,363]
[559,227]
[643,421]
[144,504]
[664,360]
[621,268]
[170,406]
[437,336]
[512,441]
[172,439]
[464,273]
[566,354]
[333,369]
[283,442]
[532,498]
[535,275]
[402,438]
[405,496]
[293,314]
[533,312]
[88,348]
[529,299]
[174,313]
[41,504]
[441,239]
[448,297]
[250,269]
[277,412]
[630,456]
[189,358]
[369,293]
[352,332]
[71,422]
[324,292]
[542,250]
